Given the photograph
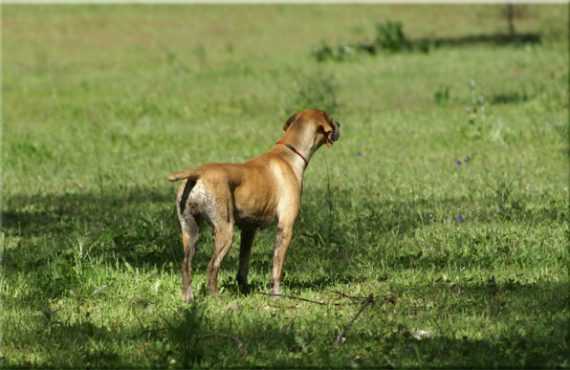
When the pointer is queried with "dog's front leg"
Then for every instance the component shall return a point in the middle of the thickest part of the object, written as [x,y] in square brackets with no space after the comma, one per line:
[284,234]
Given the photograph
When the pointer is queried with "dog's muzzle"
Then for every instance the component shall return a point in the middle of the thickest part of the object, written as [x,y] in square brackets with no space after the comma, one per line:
[336,132]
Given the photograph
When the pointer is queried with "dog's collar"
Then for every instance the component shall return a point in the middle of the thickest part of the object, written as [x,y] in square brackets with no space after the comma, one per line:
[294,150]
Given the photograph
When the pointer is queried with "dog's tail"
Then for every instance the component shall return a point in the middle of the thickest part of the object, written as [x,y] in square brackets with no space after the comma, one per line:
[189,174]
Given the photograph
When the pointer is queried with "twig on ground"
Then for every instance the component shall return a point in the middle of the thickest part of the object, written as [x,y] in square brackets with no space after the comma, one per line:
[341,337]
[304,299]
[355,298]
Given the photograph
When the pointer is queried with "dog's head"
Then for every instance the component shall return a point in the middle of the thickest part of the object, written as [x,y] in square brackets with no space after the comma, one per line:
[325,129]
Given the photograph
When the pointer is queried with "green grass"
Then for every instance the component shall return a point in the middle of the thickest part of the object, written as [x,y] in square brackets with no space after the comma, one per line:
[100,103]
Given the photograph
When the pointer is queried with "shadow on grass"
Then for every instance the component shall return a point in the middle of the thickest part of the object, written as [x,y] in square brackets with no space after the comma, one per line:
[509,98]
[339,235]
[531,322]
[86,345]
[498,39]
[427,44]
[386,342]
[36,215]
[336,235]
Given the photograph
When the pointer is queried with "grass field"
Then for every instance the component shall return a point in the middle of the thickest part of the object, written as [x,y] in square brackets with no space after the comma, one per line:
[445,201]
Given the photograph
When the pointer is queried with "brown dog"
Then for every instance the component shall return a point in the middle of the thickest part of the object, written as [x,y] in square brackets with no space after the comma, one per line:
[250,195]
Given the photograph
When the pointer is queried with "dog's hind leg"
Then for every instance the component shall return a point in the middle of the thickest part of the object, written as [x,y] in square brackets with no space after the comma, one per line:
[223,235]
[190,233]
[222,219]
[247,236]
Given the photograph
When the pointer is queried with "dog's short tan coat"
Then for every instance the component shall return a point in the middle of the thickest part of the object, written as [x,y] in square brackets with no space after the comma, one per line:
[250,195]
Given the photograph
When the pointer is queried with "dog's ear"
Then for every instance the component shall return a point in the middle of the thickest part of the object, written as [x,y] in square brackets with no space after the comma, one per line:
[329,129]
[289,121]
[328,132]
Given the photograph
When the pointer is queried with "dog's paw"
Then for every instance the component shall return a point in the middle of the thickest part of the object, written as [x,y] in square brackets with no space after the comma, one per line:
[275,293]
[244,289]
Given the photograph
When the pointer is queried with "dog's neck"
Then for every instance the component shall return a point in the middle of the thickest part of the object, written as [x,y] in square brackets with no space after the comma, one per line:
[299,150]
[297,161]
